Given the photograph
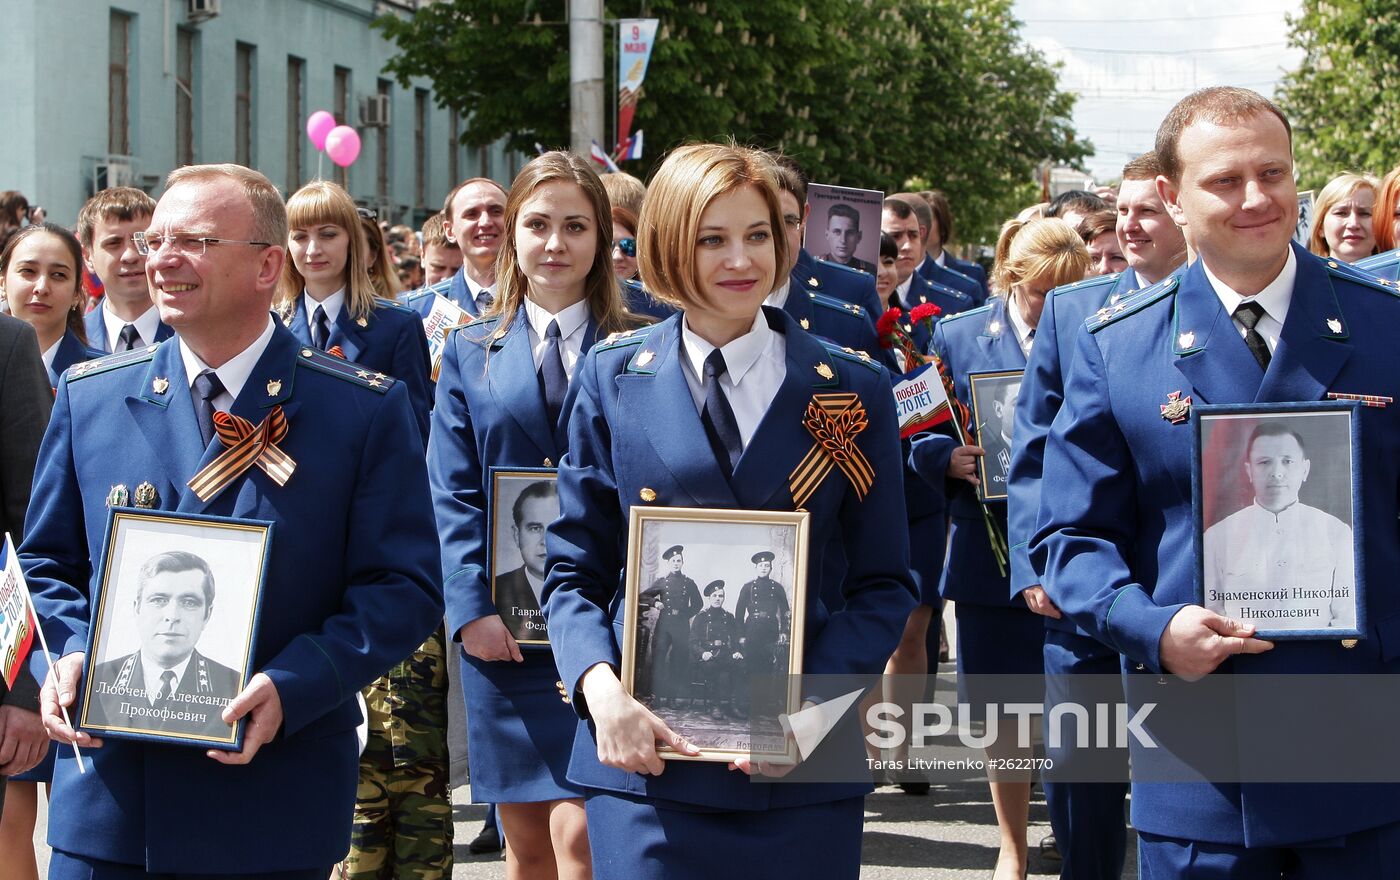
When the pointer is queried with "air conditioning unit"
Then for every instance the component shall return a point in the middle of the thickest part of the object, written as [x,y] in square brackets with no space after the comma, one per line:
[201,10]
[374,111]
[110,172]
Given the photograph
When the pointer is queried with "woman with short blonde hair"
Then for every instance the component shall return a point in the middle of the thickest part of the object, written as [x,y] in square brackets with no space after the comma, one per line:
[1342,225]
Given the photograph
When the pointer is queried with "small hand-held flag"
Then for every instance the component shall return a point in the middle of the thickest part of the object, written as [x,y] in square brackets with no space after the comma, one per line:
[600,155]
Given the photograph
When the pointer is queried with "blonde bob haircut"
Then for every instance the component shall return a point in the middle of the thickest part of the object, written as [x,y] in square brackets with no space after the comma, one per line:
[600,288]
[1047,249]
[1338,189]
[688,181]
[323,202]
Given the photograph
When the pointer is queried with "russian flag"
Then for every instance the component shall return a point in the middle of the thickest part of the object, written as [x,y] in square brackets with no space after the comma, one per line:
[599,155]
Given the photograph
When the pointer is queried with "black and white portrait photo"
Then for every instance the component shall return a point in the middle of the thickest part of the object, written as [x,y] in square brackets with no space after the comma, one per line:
[714,614]
[843,225]
[1277,513]
[993,415]
[524,503]
[175,626]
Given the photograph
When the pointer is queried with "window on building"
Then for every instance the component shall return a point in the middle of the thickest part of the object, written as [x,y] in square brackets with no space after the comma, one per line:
[184,97]
[454,149]
[243,104]
[119,86]
[420,148]
[385,89]
[342,115]
[296,73]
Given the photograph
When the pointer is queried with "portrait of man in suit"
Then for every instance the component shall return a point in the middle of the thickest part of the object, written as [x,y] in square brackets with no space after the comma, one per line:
[843,236]
[995,397]
[166,685]
[517,592]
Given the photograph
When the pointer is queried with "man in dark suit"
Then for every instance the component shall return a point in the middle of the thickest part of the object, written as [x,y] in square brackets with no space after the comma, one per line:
[843,237]
[518,590]
[167,685]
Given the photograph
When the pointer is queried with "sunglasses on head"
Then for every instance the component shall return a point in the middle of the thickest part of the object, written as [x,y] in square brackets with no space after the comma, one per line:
[628,246]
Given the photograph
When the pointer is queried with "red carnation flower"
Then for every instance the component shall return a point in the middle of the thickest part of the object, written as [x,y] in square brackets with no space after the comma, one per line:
[924,312]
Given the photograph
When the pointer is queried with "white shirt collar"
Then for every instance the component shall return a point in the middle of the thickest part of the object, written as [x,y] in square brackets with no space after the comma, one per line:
[476,289]
[778,298]
[235,372]
[151,672]
[571,318]
[901,291]
[51,352]
[1275,297]
[1019,325]
[942,258]
[332,304]
[739,354]
[146,325]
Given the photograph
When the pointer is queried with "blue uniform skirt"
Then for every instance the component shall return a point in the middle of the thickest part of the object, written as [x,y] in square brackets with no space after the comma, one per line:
[637,839]
[519,730]
[1000,655]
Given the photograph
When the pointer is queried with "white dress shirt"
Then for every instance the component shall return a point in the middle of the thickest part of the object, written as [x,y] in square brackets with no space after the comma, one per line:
[332,304]
[234,373]
[572,321]
[941,259]
[152,671]
[50,353]
[1274,298]
[778,298]
[477,290]
[1019,326]
[146,325]
[901,291]
[755,365]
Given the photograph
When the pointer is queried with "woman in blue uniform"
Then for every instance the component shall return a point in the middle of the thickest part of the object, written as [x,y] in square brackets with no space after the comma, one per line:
[500,405]
[706,409]
[326,297]
[40,272]
[997,634]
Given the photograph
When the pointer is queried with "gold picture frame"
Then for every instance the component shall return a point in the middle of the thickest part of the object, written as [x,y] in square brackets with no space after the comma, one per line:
[722,674]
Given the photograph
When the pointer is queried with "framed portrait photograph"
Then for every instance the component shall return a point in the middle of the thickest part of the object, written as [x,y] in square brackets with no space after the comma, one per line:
[524,501]
[1278,507]
[844,225]
[1303,229]
[993,415]
[713,625]
[174,626]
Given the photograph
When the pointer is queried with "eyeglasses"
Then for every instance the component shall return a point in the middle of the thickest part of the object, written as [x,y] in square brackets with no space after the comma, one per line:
[148,243]
[628,246]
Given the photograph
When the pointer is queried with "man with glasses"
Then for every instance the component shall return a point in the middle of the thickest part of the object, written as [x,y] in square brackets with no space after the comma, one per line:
[352,581]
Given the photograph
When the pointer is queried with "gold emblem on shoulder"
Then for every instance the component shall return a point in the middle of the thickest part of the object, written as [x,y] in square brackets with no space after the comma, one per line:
[306,352]
[1186,340]
[806,325]
[78,370]
[825,371]
[644,358]
[1334,325]
[1332,264]
[648,495]
[994,328]
[813,282]
[160,384]
[363,374]
[362,321]
[274,387]
[146,496]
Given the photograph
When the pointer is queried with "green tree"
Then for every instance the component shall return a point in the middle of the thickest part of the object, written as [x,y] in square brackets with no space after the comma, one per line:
[1344,98]
[865,93]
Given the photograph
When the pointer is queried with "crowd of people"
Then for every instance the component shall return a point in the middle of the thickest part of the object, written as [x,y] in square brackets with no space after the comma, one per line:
[664,345]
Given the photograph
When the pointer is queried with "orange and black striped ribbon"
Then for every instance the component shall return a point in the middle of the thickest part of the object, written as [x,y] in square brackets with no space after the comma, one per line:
[246,445]
[833,420]
[336,351]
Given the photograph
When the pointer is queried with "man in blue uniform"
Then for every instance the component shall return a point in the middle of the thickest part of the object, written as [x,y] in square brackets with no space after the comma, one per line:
[126,318]
[1255,319]
[351,584]
[924,263]
[900,221]
[940,233]
[474,213]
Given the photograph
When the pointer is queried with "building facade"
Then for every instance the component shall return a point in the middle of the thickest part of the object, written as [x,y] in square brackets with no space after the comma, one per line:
[103,93]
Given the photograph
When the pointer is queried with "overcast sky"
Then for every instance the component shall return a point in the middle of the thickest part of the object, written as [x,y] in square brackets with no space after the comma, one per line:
[1129,63]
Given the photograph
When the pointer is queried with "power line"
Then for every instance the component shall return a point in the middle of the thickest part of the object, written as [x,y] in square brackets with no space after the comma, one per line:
[1172,19]
[1094,50]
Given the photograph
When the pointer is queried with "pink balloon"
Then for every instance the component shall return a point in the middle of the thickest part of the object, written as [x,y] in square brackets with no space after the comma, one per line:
[343,145]
[318,125]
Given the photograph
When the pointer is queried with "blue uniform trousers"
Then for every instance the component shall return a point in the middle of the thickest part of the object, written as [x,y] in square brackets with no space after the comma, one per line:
[1362,855]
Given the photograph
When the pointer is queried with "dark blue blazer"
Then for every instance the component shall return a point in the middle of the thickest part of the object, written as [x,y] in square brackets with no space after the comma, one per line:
[949,278]
[836,320]
[639,302]
[389,340]
[1114,539]
[70,351]
[97,330]
[634,427]
[489,412]
[972,270]
[351,588]
[978,341]
[922,290]
[1385,265]
[1042,392]
[842,282]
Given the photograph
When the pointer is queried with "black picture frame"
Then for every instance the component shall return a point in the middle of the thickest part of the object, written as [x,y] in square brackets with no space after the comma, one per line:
[992,419]
[515,590]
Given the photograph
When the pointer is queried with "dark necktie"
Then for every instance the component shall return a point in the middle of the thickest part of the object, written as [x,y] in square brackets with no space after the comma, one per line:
[1248,314]
[167,685]
[128,340]
[484,300]
[320,328]
[553,379]
[206,387]
[718,416]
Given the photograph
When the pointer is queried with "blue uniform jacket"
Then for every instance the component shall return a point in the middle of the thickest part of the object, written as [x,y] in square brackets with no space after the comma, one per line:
[842,282]
[1042,392]
[949,278]
[1384,266]
[351,588]
[634,427]
[70,351]
[978,341]
[389,340]
[97,330]
[922,290]
[1114,538]
[489,412]
[639,302]
[972,270]
[846,324]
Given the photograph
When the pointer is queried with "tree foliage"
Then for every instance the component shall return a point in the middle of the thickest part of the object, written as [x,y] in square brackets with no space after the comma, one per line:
[867,93]
[1344,98]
